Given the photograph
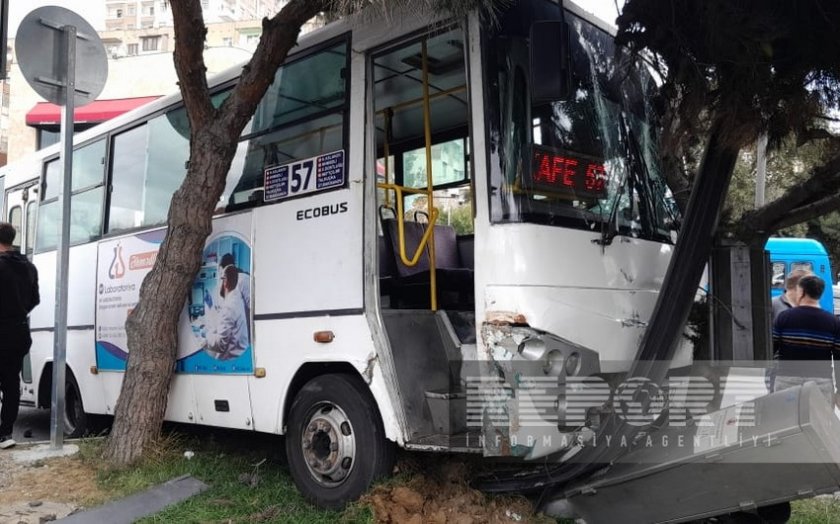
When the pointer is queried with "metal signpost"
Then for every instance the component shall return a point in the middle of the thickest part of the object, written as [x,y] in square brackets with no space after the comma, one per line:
[63,60]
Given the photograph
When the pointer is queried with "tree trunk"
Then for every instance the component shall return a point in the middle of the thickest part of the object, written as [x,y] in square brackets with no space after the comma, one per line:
[691,253]
[152,328]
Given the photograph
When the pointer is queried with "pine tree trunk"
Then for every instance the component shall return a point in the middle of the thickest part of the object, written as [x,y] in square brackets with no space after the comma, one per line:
[691,253]
[152,328]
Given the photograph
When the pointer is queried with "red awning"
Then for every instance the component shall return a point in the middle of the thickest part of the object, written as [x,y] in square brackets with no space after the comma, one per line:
[97,111]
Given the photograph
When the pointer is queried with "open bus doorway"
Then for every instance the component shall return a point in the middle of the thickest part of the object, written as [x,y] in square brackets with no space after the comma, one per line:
[425,213]
[423,174]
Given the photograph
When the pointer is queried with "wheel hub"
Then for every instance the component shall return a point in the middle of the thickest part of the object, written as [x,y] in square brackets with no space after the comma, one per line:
[329,444]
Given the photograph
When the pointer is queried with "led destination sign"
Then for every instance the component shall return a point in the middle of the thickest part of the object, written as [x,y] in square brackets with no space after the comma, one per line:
[567,173]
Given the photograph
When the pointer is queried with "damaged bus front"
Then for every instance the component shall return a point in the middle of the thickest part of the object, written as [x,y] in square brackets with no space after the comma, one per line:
[581,224]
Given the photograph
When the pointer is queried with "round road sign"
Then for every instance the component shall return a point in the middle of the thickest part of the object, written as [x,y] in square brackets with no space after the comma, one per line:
[39,45]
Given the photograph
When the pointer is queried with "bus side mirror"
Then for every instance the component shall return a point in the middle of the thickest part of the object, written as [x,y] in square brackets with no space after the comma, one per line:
[549,61]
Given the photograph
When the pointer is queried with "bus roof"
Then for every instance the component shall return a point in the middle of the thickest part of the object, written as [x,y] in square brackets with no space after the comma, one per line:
[795,246]
[29,167]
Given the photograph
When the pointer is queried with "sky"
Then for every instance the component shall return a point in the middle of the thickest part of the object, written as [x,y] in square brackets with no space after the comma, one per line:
[94,10]
[603,9]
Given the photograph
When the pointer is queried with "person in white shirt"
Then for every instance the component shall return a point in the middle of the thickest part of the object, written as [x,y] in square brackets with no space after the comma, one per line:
[229,338]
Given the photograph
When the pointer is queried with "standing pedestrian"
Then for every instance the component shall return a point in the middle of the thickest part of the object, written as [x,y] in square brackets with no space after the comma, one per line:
[18,296]
[787,299]
[806,340]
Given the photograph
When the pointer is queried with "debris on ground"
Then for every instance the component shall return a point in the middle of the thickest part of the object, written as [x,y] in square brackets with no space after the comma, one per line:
[26,514]
[46,490]
[439,493]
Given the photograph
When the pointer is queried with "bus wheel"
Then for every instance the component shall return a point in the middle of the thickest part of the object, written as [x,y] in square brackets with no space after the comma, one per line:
[335,443]
[75,418]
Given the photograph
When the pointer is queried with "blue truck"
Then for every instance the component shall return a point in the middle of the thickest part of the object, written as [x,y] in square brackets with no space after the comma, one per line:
[787,254]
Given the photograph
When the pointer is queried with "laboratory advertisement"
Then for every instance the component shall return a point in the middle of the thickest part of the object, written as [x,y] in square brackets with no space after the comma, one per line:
[215,330]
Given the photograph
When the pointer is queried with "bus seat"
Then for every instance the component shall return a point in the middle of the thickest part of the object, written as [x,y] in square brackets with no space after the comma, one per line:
[446,248]
[466,251]
[411,283]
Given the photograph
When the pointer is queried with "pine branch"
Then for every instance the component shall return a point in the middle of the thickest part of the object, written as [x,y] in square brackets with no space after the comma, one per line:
[809,211]
[824,180]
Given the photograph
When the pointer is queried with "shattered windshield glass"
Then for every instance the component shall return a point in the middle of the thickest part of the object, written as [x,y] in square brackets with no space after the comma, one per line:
[587,161]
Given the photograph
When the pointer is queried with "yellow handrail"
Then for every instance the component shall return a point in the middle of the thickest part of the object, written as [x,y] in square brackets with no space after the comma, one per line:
[427,132]
[388,114]
[429,234]
[408,104]
[424,240]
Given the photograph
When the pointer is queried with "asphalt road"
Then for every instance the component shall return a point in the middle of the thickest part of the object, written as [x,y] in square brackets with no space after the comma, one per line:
[34,421]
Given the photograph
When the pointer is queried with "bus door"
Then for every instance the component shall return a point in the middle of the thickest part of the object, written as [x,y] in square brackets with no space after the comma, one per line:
[21,207]
[421,134]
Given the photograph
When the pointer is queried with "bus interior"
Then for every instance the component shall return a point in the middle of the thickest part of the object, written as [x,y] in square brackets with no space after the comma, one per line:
[425,212]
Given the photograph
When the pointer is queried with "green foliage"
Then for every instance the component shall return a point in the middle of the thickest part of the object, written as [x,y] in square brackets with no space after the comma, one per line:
[787,165]
[758,64]
[462,220]
[821,510]
[221,462]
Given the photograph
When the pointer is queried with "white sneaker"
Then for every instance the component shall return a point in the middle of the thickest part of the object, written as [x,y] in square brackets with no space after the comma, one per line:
[7,442]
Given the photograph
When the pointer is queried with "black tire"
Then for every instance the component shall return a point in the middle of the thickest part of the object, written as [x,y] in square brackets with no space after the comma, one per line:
[76,421]
[329,469]
[775,513]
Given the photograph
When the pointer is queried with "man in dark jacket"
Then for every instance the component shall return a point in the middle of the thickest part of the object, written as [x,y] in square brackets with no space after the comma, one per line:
[18,296]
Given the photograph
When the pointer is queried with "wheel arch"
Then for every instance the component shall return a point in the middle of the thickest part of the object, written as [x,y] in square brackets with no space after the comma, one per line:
[310,370]
[45,384]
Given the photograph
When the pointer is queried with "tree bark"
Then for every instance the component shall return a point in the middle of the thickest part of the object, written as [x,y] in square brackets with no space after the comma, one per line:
[152,327]
[691,253]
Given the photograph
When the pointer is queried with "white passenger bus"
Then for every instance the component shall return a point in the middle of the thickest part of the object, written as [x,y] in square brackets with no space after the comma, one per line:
[410,197]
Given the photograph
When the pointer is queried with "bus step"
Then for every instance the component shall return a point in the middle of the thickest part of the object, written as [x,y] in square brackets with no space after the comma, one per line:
[467,442]
[448,409]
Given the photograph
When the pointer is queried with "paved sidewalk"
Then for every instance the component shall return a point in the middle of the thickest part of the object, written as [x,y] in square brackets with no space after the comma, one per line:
[14,462]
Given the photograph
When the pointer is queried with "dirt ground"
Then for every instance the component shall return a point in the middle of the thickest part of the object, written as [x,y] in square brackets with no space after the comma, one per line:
[45,490]
[423,492]
[438,493]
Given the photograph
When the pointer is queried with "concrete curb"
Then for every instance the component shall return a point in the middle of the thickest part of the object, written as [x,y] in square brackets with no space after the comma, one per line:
[139,505]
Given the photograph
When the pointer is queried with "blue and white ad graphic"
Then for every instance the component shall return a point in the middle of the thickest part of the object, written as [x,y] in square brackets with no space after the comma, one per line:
[304,176]
[215,329]
[215,333]
[122,265]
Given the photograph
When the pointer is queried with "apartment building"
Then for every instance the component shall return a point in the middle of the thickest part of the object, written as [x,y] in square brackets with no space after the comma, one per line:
[139,39]
[147,14]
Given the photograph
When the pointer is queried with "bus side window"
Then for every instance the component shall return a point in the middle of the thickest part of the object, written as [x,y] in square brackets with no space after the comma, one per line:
[302,115]
[778,272]
[87,196]
[31,213]
[148,165]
